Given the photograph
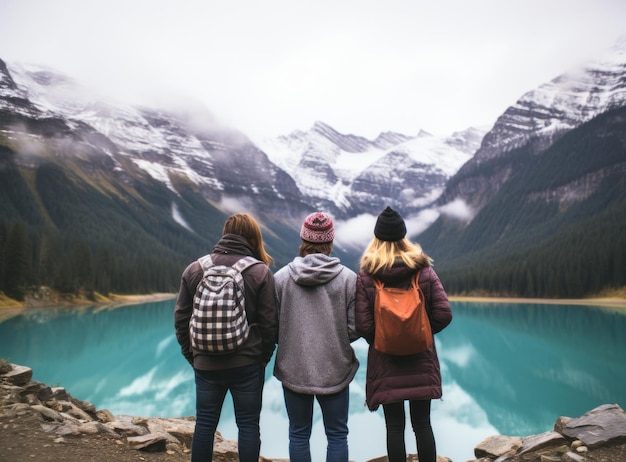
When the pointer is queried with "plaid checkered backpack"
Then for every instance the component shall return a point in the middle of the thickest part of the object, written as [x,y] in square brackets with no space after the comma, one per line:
[219,323]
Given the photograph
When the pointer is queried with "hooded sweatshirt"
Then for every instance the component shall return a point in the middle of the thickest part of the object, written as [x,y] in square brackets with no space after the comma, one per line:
[316,325]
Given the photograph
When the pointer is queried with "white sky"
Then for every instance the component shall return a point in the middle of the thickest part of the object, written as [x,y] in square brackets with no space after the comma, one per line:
[268,67]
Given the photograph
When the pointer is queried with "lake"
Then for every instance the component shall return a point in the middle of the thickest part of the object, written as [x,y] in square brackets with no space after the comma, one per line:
[508,369]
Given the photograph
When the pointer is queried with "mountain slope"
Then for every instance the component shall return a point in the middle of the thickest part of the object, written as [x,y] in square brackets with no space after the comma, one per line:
[554,228]
[547,177]
[349,175]
[100,194]
[131,194]
[542,116]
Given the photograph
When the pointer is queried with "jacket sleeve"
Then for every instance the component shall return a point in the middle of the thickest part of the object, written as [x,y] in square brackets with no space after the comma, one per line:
[351,306]
[439,306]
[183,310]
[267,314]
[364,309]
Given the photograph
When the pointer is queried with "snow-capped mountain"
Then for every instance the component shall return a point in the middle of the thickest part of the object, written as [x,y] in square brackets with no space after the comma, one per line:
[320,168]
[544,195]
[163,180]
[168,145]
[352,175]
[540,118]
[564,103]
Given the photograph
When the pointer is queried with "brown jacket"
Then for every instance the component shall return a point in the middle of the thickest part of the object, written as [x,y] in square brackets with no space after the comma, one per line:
[261,309]
[390,378]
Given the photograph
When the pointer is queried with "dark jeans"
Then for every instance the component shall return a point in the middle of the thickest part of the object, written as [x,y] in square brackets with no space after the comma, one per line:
[246,387]
[420,420]
[335,414]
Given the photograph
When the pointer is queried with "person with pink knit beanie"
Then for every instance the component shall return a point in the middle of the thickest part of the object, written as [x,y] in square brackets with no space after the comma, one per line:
[314,358]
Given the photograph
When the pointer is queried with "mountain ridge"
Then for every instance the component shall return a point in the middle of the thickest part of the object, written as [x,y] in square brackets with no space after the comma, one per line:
[169,177]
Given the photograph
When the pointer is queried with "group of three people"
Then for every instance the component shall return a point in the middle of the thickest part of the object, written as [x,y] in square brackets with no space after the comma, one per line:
[313,309]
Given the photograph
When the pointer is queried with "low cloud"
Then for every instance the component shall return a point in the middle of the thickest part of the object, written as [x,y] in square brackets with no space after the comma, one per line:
[416,224]
[25,143]
[457,209]
[356,232]
[232,205]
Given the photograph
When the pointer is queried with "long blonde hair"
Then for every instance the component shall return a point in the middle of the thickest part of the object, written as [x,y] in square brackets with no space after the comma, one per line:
[246,226]
[381,255]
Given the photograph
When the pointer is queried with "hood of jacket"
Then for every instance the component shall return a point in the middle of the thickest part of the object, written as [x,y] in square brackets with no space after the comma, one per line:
[235,244]
[314,269]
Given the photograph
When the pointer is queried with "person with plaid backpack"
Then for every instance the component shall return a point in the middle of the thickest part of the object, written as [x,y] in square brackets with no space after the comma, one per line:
[233,287]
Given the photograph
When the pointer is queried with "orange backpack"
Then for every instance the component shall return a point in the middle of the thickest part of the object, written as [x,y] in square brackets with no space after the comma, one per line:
[402,324]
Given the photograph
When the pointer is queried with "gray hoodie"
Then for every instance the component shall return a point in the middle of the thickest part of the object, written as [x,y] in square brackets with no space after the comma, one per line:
[316,325]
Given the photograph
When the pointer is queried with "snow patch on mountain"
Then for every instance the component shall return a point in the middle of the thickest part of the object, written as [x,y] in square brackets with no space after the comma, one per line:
[178,217]
[336,168]
[562,104]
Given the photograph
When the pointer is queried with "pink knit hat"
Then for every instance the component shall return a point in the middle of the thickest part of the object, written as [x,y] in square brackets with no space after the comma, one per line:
[317,227]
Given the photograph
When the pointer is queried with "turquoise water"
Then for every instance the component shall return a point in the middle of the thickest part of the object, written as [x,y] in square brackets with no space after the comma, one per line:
[507,369]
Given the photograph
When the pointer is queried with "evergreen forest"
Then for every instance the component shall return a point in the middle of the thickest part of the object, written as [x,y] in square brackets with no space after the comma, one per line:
[554,228]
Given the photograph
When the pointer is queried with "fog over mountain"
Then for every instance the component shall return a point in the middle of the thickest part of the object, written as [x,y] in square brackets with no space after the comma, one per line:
[458,193]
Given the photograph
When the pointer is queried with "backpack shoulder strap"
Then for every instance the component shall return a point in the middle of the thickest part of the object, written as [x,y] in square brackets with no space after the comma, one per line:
[416,279]
[245,262]
[378,284]
[205,262]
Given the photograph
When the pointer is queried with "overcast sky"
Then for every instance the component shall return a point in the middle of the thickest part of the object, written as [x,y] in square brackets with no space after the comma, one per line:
[268,67]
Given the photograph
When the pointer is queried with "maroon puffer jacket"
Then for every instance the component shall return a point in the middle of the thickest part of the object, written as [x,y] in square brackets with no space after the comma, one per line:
[396,378]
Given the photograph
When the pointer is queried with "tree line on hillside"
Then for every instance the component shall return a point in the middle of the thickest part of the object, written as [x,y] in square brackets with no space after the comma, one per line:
[554,228]
[580,263]
[583,261]
[71,266]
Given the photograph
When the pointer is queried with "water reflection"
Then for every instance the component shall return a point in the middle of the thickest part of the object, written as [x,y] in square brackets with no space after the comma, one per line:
[509,369]
[526,364]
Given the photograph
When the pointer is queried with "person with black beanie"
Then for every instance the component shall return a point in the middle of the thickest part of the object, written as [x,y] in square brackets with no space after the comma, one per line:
[391,380]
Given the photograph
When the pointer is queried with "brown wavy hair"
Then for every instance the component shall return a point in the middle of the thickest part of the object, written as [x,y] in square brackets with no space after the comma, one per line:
[307,248]
[246,226]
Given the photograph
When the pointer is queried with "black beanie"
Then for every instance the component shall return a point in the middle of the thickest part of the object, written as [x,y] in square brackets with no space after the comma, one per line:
[390,226]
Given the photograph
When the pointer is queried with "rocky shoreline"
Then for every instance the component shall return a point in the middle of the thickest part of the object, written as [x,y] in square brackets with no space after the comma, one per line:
[64,422]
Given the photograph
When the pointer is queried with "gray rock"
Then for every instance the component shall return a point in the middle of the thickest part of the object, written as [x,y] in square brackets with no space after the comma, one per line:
[59,393]
[93,428]
[560,424]
[498,445]
[600,426]
[542,441]
[124,427]
[152,442]
[67,429]
[572,457]
[182,430]
[18,375]
[546,447]
[68,408]
[549,458]
[84,405]
[104,415]
[47,413]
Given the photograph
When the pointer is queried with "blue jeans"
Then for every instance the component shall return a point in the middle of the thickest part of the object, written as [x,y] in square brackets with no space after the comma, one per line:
[420,421]
[335,414]
[246,387]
